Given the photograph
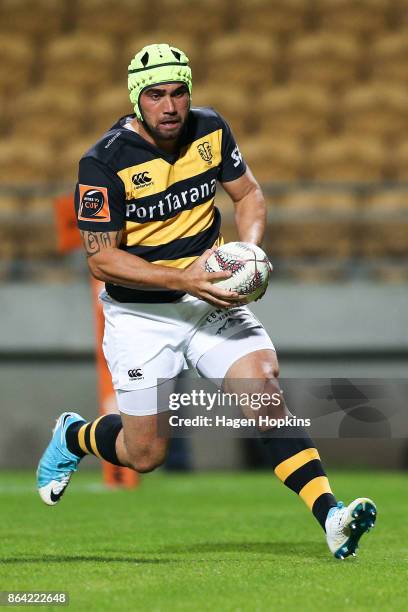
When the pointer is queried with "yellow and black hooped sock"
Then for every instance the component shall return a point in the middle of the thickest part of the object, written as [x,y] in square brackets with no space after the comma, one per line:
[95,438]
[296,462]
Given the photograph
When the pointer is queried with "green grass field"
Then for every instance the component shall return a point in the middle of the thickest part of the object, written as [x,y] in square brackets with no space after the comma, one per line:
[236,541]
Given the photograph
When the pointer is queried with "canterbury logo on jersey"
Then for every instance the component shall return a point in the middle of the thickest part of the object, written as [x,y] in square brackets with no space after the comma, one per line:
[141,179]
[171,202]
[156,176]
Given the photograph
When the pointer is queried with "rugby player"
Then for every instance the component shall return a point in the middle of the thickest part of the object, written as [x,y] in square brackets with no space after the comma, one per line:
[146,213]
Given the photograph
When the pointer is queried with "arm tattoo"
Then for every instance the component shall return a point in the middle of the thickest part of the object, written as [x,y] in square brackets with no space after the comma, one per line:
[118,237]
[95,241]
[105,239]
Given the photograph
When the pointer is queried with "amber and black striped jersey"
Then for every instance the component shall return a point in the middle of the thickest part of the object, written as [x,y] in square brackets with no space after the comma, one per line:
[163,202]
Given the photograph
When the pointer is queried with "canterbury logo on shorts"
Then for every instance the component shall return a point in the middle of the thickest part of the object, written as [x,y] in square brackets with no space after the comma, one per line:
[135,373]
[93,204]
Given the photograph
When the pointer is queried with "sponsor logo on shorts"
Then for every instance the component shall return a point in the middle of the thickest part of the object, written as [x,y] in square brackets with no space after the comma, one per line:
[93,204]
[230,322]
[231,318]
[205,151]
[218,315]
[135,374]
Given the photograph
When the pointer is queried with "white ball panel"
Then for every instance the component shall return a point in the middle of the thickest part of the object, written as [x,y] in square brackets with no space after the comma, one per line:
[249,265]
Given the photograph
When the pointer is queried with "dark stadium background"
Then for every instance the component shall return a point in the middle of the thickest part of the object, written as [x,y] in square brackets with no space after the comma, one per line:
[316,93]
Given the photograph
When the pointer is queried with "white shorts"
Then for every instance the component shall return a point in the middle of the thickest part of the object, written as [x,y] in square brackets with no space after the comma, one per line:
[145,342]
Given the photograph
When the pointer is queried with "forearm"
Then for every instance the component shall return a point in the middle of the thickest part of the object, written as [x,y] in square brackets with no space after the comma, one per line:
[127,270]
[110,264]
[121,268]
[250,217]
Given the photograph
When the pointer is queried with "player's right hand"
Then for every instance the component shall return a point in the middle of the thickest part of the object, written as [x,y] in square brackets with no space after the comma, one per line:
[196,281]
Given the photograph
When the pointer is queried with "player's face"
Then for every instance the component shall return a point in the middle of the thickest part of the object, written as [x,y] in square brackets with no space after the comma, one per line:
[165,109]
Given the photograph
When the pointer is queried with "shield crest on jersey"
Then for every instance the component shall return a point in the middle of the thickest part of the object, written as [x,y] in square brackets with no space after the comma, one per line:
[204,150]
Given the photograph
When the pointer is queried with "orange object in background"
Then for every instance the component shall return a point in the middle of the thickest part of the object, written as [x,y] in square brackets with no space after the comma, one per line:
[68,239]
[114,475]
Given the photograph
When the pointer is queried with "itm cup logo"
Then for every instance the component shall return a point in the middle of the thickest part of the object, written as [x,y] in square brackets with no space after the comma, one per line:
[141,179]
[204,150]
[93,204]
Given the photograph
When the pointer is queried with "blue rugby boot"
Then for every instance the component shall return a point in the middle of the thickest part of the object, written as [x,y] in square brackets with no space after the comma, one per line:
[57,463]
[346,524]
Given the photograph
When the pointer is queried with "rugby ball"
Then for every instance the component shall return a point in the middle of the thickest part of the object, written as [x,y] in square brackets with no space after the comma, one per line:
[249,265]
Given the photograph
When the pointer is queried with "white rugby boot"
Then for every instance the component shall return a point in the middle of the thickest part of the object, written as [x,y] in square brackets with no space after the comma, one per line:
[346,524]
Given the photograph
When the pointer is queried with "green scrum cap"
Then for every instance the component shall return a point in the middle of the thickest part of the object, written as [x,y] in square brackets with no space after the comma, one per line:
[156,64]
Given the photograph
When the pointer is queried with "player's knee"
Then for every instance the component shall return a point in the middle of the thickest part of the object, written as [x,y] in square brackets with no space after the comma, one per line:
[265,370]
[147,461]
[270,371]
[277,408]
[143,466]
